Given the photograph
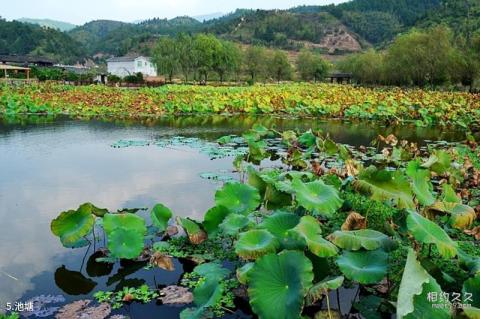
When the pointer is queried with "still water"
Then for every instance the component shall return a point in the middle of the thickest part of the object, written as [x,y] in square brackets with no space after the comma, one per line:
[48,165]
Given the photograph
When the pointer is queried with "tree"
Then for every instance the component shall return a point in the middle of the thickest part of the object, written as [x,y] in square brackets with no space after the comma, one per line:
[205,47]
[366,68]
[226,59]
[311,66]
[186,56]
[465,64]
[420,57]
[166,56]
[255,59]
[279,66]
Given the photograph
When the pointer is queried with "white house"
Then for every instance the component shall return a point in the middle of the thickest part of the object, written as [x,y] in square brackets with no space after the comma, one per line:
[123,66]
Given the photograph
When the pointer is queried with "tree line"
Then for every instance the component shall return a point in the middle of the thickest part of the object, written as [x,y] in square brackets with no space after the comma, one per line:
[427,57]
[201,56]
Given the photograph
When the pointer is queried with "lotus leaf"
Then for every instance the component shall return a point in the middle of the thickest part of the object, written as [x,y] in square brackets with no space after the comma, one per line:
[71,226]
[309,229]
[439,162]
[368,239]
[307,139]
[125,243]
[279,223]
[415,286]
[256,243]
[421,185]
[471,287]
[449,195]
[195,233]
[428,232]
[212,270]
[383,185]
[234,223]
[243,272]
[317,197]
[89,207]
[365,267]
[472,312]
[461,216]
[208,292]
[330,283]
[160,216]
[213,218]
[129,221]
[278,285]
[238,198]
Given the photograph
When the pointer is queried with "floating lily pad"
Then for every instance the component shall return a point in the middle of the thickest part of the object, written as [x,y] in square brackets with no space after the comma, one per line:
[72,225]
[238,198]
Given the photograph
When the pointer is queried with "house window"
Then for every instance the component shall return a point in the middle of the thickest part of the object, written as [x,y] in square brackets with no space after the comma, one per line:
[139,64]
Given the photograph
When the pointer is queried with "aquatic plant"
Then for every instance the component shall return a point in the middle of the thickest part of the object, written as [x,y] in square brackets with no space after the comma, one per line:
[423,107]
[384,229]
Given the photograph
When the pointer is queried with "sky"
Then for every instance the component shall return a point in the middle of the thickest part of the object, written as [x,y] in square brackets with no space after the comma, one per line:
[79,12]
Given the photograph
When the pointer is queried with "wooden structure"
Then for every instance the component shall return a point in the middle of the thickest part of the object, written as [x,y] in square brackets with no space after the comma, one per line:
[7,67]
[340,77]
[25,60]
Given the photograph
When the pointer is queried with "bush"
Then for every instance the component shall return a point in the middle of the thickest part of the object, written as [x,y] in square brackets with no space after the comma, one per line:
[114,79]
[48,74]
[134,79]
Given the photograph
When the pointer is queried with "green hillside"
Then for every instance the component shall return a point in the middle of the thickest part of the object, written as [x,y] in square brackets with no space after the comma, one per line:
[343,28]
[24,38]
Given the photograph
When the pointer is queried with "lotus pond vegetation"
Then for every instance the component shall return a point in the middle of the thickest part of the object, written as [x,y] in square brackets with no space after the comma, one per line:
[303,220]
[276,201]
[397,105]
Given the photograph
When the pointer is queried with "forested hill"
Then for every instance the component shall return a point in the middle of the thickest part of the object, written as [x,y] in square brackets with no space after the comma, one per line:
[343,28]
[29,39]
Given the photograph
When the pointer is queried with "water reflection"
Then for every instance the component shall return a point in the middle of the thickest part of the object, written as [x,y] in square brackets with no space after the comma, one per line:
[49,164]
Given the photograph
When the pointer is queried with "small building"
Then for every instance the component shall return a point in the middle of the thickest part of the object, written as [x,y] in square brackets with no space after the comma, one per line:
[123,66]
[26,60]
[339,77]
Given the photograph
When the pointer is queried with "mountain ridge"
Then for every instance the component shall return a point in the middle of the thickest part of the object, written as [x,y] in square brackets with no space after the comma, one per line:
[334,29]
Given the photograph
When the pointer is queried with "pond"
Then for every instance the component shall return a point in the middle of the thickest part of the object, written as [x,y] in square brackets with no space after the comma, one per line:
[49,165]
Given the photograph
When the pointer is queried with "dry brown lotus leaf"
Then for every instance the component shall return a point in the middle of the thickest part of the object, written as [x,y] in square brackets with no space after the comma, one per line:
[352,167]
[198,237]
[467,164]
[172,230]
[80,310]
[382,286]
[175,295]
[354,221]
[475,232]
[162,261]
[385,152]
[317,168]
[390,139]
